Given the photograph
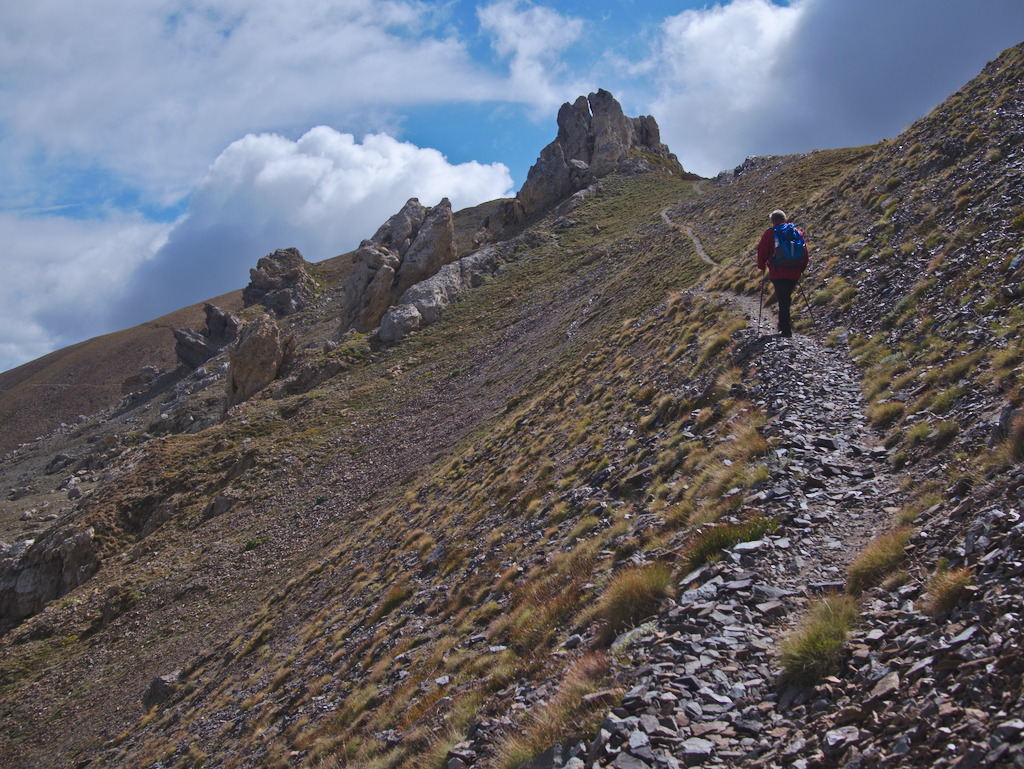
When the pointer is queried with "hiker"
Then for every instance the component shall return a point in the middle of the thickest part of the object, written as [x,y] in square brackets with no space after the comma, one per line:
[784,267]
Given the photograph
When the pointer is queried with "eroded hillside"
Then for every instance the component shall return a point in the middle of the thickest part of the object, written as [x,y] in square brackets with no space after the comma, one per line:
[434,557]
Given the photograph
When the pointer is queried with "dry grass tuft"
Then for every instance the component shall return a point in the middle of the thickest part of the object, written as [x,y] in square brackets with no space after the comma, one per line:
[878,560]
[631,595]
[945,590]
[813,650]
[569,713]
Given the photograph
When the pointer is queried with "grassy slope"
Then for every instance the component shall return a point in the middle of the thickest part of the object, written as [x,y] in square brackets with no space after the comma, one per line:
[354,438]
[579,344]
[438,491]
[916,259]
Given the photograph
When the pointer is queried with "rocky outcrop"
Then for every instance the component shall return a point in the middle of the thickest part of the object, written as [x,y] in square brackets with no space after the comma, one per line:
[595,138]
[35,573]
[257,360]
[411,246]
[194,348]
[423,303]
[280,282]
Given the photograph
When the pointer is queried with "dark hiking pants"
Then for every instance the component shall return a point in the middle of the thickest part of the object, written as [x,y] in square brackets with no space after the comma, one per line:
[784,292]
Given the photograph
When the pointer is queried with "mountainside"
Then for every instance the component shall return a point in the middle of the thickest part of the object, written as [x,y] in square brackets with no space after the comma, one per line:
[588,516]
[86,377]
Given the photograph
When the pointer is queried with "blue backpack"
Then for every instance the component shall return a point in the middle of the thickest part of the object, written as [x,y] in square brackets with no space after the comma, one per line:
[790,248]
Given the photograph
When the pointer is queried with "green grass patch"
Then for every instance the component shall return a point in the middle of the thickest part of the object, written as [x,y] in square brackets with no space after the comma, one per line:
[709,544]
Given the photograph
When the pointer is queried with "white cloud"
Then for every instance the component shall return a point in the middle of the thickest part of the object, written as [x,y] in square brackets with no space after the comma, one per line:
[718,74]
[321,194]
[534,38]
[61,277]
[753,77]
[152,91]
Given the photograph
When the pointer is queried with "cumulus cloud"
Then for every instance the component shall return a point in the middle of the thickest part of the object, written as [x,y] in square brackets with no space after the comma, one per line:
[60,276]
[152,91]
[753,77]
[533,38]
[321,194]
[719,75]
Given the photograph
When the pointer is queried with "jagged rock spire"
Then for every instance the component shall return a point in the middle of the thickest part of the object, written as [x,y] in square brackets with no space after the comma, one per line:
[595,138]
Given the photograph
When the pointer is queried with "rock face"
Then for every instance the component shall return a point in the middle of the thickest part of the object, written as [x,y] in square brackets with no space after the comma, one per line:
[280,282]
[594,139]
[409,247]
[258,358]
[406,274]
[35,574]
[194,348]
[423,302]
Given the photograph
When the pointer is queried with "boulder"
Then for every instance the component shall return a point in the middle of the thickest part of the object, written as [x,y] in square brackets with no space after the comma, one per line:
[59,462]
[219,505]
[140,380]
[280,282]
[257,360]
[432,295]
[398,322]
[160,690]
[422,304]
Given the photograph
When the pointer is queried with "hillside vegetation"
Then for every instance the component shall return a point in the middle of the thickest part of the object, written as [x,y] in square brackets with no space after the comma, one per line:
[441,553]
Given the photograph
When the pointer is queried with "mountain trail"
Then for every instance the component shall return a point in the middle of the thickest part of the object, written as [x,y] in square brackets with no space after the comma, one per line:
[704,674]
[688,231]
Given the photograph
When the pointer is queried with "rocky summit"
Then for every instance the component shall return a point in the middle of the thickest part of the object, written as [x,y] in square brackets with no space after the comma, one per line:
[535,485]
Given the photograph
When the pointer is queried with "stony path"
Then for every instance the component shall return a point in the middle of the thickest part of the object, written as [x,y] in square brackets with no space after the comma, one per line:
[688,231]
[704,674]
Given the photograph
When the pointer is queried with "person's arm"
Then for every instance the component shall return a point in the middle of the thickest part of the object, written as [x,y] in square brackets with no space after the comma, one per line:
[764,249]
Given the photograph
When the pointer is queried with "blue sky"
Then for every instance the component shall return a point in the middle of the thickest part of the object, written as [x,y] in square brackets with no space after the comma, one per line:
[153,152]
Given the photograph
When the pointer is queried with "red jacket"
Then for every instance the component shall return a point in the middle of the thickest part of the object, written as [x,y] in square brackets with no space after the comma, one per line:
[765,250]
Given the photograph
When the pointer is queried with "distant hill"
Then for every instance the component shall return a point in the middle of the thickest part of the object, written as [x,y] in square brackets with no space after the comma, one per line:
[86,377]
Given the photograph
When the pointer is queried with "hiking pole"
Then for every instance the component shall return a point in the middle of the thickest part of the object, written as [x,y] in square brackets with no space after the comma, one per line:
[760,305]
[807,301]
